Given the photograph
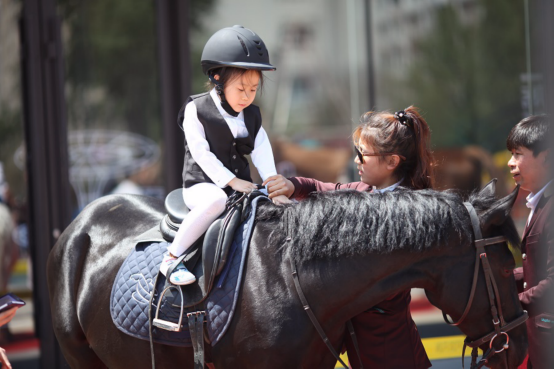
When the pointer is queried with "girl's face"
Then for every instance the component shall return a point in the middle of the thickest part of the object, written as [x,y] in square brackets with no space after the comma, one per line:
[375,170]
[241,91]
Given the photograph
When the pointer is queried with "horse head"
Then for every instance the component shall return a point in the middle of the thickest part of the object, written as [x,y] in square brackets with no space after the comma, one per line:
[487,308]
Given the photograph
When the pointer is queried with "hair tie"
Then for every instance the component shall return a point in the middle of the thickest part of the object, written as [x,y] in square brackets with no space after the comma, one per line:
[401,117]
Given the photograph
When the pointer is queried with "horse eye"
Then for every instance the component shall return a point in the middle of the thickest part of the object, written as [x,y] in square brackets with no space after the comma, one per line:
[507,272]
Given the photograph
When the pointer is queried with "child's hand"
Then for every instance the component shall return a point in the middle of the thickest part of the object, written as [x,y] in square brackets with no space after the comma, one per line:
[281,200]
[241,185]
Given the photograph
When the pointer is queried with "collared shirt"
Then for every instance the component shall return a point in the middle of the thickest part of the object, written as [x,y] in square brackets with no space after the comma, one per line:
[389,188]
[262,155]
[533,200]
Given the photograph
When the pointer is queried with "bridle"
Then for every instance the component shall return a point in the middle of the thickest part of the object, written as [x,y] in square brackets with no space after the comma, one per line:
[500,326]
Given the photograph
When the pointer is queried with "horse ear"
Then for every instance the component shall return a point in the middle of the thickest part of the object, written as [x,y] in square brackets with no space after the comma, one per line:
[500,211]
[490,189]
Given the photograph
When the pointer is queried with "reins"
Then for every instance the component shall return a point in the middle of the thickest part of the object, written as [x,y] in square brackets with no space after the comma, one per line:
[500,326]
[311,314]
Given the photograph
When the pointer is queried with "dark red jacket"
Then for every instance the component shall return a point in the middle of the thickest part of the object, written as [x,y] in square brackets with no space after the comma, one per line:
[536,282]
[386,333]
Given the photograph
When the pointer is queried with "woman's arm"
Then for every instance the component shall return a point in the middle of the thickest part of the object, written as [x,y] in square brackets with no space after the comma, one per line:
[300,187]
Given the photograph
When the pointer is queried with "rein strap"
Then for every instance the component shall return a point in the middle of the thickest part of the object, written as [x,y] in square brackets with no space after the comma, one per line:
[310,313]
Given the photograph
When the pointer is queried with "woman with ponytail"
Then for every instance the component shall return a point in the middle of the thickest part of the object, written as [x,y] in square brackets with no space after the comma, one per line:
[392,150]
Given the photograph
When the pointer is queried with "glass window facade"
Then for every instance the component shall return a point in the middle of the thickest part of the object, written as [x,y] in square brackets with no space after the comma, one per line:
[112,97]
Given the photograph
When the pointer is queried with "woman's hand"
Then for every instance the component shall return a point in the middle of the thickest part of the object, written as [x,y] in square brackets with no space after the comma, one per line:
[278,185]
[240,185]
[281,200]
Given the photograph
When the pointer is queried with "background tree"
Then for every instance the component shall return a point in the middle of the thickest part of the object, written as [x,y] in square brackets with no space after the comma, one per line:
[111,58]
[467,76]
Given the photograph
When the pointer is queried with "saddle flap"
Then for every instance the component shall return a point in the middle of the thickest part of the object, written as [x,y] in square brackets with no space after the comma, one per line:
[209,250]
[217,243]
[228,236]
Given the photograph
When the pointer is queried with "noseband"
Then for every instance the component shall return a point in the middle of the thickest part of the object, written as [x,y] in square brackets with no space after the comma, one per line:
[500,326]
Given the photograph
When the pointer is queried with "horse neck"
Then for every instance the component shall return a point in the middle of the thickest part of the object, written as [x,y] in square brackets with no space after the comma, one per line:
[348,286]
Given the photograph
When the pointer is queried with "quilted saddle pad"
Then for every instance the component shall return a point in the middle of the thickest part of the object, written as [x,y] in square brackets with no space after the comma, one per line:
[134,285]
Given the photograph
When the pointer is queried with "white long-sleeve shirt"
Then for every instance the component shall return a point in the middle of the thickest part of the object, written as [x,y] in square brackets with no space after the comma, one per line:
[533,201]
[262,155]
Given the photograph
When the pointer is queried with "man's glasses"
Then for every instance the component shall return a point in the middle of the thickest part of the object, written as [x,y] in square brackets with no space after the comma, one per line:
[361,155]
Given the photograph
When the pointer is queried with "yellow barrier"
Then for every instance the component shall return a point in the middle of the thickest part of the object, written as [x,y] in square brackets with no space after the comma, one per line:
[447,347]
[20,267]
[344,358]
[444,347]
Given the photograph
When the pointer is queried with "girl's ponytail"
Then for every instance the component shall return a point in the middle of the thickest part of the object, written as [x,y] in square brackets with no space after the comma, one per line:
[421,174]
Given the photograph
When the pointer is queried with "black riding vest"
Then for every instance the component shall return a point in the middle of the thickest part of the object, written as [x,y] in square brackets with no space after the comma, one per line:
[229,150]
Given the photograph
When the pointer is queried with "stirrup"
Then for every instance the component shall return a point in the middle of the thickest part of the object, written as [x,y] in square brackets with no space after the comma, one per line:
[165,324]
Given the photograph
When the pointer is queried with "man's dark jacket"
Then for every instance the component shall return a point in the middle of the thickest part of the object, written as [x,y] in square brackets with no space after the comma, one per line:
[536,282]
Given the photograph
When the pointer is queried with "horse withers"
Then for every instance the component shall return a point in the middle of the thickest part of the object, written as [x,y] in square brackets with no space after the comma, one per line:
[351,250]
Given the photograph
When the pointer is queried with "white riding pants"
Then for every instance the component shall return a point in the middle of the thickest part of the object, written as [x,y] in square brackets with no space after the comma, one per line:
[206,202]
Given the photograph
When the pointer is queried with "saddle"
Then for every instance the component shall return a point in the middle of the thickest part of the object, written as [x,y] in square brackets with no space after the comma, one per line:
[212,247]
[141,298]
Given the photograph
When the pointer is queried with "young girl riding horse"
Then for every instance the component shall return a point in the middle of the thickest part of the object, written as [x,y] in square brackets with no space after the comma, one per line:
[392,150]
[221,127]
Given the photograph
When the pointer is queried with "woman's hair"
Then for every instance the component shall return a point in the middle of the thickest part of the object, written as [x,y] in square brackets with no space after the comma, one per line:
[403,133]
[227,74]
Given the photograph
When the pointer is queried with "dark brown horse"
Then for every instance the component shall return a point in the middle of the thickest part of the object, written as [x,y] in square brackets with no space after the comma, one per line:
[352,250]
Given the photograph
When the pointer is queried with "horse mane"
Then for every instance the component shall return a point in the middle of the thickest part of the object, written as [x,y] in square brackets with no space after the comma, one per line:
[337,223]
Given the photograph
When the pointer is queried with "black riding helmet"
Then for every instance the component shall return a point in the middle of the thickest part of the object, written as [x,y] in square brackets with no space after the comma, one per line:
[235,47]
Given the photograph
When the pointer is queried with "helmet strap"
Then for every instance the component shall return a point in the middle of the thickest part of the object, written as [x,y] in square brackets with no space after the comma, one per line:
[219,90]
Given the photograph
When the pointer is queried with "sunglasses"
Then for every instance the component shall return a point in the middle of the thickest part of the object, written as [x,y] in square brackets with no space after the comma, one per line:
[361,155]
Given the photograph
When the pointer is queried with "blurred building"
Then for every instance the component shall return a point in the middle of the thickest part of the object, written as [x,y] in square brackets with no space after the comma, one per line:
[398,24]
[321,51]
